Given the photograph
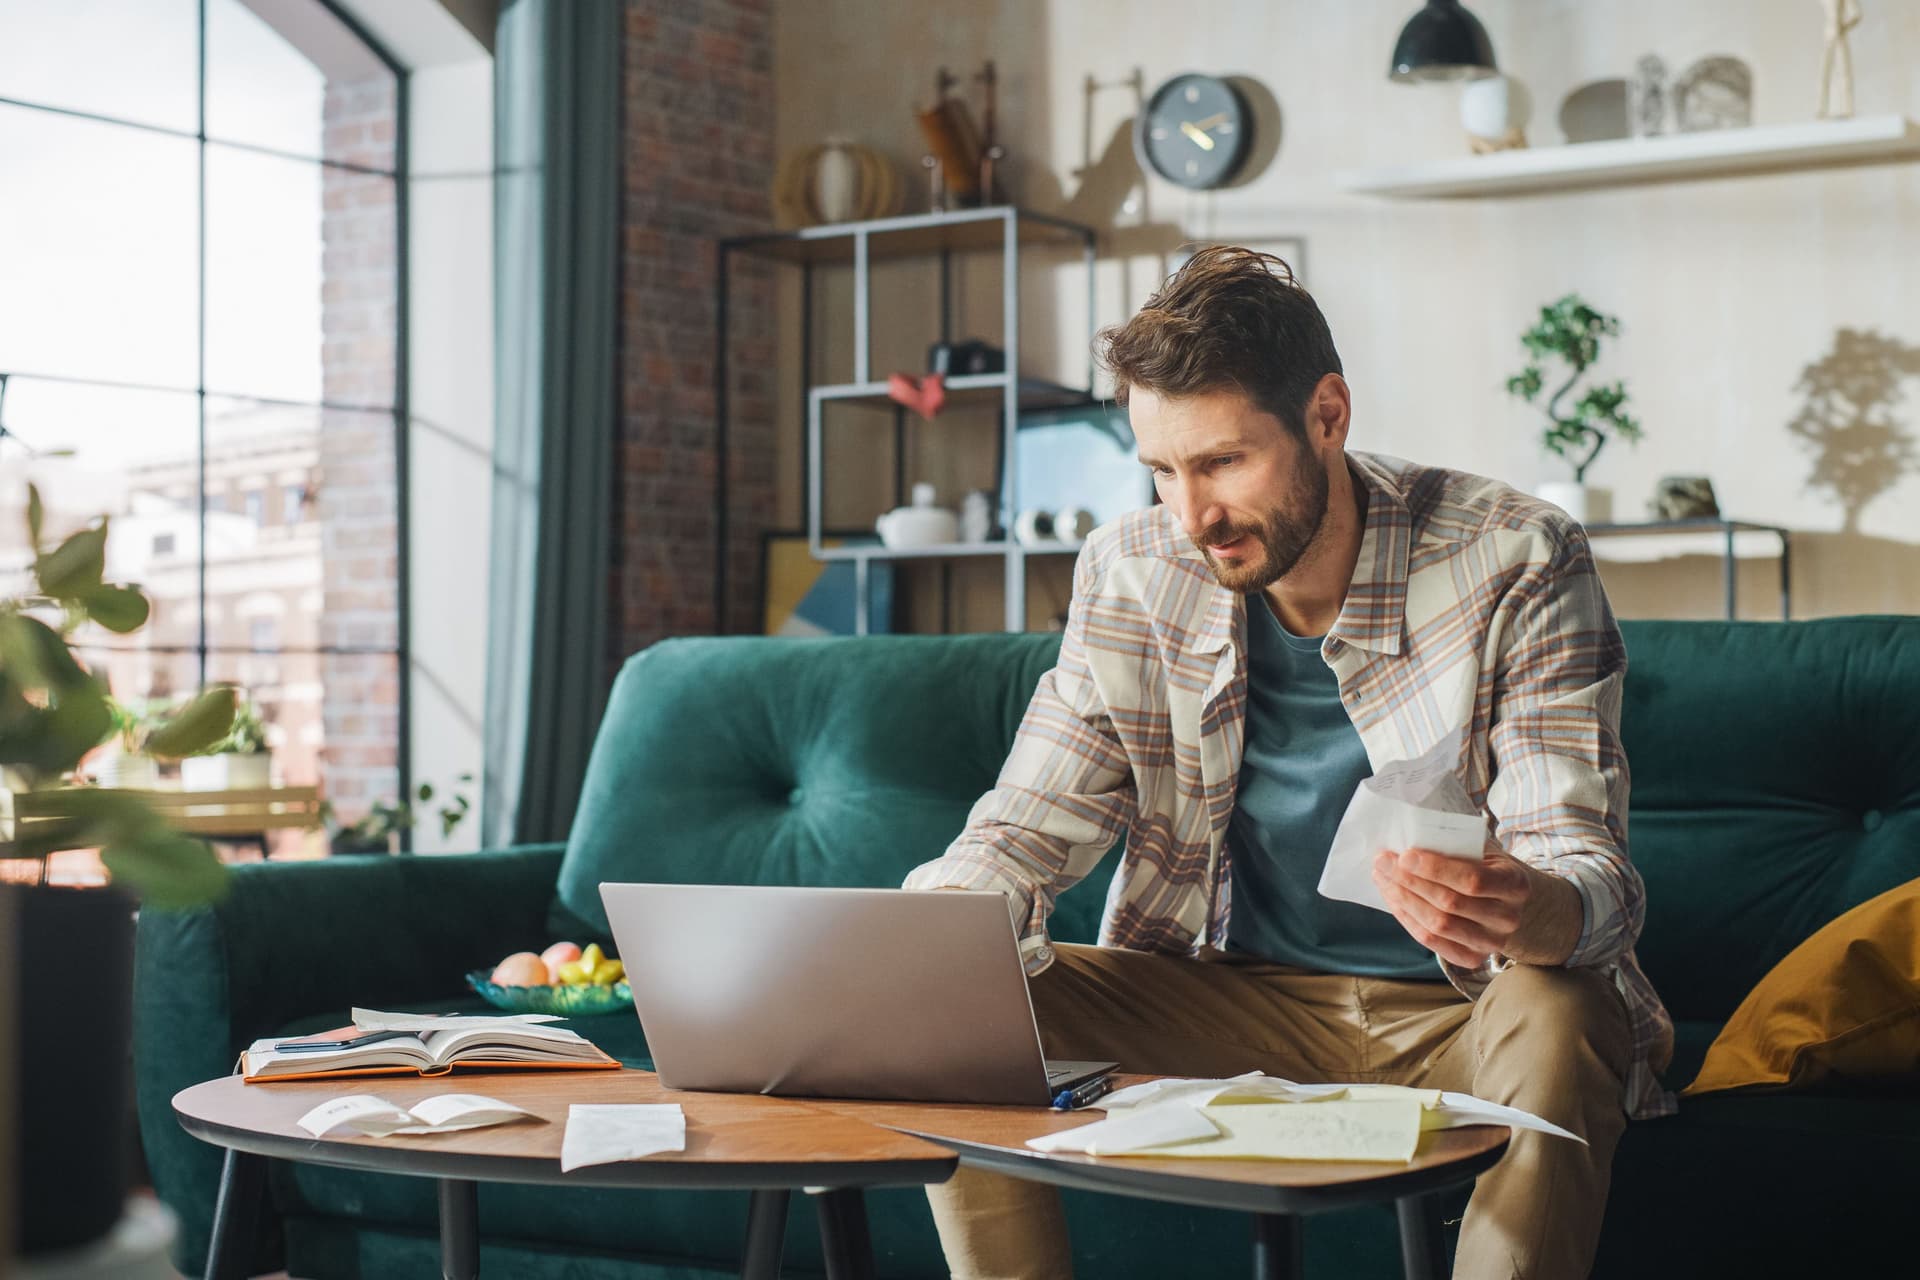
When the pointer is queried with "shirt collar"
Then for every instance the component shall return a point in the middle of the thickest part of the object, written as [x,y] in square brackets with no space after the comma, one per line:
[1374,615]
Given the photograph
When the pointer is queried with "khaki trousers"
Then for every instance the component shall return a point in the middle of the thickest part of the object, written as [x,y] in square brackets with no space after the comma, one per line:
[1555,1042]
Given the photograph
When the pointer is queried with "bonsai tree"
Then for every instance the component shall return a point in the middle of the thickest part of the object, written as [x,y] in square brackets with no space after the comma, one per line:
[53,710]
[1568,333]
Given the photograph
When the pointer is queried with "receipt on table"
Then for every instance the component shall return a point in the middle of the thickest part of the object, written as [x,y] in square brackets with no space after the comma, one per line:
[605,1133]
[1416,804]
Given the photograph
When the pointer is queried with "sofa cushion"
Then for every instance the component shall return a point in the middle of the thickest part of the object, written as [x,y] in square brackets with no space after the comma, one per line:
[816,762]
[1844,1005]
[1776,784]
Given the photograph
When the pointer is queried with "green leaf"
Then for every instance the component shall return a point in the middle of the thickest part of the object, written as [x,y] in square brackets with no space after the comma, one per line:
[121,610]
[74,567]
[37,655]
[167,871]
[195,727]
[36,517]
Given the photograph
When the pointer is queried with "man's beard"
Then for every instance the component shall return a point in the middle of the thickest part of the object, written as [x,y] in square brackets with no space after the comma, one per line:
[1284,534]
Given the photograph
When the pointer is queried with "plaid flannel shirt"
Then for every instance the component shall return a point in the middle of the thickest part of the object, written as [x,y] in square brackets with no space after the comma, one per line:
[1473,609]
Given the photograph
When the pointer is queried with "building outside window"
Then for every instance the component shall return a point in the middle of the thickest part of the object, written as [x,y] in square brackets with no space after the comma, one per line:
[199,312]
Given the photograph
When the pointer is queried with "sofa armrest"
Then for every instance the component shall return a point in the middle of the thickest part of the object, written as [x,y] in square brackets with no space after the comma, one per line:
[298,939]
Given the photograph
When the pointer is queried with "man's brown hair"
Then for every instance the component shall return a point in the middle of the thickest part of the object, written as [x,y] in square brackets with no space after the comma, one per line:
[1230,319]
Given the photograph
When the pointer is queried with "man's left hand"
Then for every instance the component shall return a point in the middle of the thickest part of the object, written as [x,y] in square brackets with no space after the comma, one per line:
[1465,911]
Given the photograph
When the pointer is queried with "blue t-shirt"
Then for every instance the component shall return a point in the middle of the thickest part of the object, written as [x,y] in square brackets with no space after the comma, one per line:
[1302,762]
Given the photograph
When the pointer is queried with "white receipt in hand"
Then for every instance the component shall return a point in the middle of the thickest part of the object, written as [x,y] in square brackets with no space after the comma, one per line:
[1417,804]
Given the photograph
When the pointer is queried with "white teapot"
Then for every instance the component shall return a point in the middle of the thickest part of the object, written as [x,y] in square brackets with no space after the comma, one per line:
[919,525]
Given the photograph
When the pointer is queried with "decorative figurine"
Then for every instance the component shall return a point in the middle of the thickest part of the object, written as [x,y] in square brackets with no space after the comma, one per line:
[1714,93]
[1836,92]
[1647,98]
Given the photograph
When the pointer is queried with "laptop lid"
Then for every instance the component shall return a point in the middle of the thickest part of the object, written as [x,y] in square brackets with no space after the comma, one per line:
[850,993]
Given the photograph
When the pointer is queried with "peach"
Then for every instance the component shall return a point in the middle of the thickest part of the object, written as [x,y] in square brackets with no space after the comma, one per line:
[521,969]
[558,954]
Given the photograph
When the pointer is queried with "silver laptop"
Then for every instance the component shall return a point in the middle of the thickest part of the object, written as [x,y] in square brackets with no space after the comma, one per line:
[834,993]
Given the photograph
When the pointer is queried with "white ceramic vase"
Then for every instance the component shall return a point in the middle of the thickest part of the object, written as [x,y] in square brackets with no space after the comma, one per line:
[836,178]
[226,772]
[1585,503]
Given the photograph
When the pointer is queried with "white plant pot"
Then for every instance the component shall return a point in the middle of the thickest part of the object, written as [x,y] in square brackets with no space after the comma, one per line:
[226,772]
[1585,503]
[138,773]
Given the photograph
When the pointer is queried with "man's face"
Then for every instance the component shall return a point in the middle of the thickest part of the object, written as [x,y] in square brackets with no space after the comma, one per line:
[1250,494]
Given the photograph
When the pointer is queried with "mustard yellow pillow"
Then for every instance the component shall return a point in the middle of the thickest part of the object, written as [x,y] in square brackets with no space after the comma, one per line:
[1844,1005]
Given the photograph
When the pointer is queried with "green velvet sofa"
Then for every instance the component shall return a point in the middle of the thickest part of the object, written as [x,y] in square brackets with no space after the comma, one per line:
[1776,784]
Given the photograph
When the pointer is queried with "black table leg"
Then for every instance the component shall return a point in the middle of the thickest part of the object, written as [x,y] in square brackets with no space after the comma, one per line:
[459,1229]
[1276,1247]
[1423,1244]
[766,1234]
[236,1216]
[843,1234]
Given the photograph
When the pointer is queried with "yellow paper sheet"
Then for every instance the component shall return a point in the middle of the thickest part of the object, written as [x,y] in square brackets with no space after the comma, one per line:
[1381,1129]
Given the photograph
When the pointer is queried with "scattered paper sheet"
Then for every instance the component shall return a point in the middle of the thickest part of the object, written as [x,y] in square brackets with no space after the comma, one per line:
[1241,1117]
[1417,804]
[1154,1127]
[1384,1129]
[374,1020]
[606,1133]
[375,1117]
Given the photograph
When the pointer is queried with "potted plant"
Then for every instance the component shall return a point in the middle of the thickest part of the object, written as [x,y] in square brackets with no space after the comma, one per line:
[377,830]
[70,974]
[1568,334]
[238,762]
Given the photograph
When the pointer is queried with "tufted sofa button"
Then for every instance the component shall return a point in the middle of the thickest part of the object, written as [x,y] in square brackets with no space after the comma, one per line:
[1871,819]
[796,795]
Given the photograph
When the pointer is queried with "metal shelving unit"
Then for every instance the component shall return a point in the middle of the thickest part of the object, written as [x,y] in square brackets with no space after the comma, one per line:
[1002,228]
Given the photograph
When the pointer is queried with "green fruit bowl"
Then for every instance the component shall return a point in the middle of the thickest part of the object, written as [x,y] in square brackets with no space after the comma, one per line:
[569,1001]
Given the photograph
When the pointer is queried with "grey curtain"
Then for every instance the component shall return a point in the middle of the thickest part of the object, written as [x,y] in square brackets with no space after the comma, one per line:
[556,246]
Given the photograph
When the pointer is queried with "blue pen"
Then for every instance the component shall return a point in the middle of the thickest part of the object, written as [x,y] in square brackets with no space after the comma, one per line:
[1068,1099]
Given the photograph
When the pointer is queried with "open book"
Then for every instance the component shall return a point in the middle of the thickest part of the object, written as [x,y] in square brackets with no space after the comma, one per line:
[477,1044]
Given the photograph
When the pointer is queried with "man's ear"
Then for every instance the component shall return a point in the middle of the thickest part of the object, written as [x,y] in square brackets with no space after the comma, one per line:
[1330,411]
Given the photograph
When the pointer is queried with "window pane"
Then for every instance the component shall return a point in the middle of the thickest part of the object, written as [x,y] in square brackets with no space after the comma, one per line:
[332,720]
[98,250]
[302,527]
[134,59]
[290,75]
[301,289]
[133,459]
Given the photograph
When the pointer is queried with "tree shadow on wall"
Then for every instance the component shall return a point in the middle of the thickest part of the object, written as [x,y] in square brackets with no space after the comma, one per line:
[1860,450]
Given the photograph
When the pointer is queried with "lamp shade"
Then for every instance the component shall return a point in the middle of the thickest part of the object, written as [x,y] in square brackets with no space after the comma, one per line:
[1442,42]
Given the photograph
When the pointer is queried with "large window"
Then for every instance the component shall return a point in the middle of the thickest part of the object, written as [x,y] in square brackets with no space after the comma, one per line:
[200,302]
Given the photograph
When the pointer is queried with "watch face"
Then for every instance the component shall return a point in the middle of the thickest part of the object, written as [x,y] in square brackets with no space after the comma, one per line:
[1194,131]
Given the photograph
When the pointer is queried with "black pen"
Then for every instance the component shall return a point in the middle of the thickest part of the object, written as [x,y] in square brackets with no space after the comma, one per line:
[1069,1099]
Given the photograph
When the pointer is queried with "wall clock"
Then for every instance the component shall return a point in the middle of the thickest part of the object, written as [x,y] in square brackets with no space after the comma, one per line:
[1194,131]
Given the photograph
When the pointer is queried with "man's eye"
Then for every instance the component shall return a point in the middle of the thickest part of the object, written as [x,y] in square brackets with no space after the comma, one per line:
[1161,472]
[1226,460]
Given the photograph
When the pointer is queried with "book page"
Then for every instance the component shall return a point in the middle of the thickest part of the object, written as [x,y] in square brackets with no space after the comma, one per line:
[509,1044]
[262,1059]
[375,1117]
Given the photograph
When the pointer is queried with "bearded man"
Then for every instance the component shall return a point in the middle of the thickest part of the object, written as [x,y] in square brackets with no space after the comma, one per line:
[1237,658]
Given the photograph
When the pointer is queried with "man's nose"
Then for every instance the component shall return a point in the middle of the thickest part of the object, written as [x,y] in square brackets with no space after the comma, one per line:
[1198,511]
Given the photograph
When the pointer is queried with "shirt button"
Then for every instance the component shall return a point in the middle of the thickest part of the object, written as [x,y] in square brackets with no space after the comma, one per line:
[1043,952]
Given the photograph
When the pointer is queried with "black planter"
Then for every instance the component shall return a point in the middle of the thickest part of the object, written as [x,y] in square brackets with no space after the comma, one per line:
[75,970]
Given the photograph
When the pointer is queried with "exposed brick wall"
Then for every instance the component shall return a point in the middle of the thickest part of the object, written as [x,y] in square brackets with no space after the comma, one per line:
[358,501]
[698,139]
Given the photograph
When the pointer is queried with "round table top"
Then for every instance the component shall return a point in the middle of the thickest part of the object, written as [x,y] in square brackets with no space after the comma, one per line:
[733,1140]
[995,1138]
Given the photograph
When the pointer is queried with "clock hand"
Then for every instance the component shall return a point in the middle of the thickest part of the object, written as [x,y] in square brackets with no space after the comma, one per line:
[1200,136]
[1219,117]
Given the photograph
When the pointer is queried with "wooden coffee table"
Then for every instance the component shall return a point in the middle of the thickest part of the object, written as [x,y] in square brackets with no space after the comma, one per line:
[1278,1193]
[734,1141]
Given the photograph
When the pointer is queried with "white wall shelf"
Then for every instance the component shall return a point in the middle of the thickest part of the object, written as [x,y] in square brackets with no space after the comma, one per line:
[1673,157]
